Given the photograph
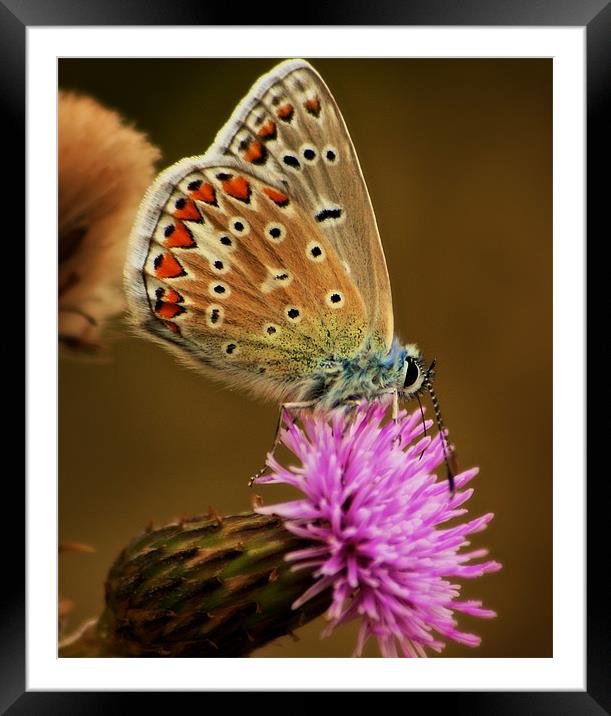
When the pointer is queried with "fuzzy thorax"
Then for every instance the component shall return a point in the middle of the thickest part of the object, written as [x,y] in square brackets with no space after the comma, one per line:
[370,374]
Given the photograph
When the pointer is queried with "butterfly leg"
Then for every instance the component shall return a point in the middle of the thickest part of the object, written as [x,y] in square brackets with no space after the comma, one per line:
[395,416]
[350,407]
[395,405]
[288,407]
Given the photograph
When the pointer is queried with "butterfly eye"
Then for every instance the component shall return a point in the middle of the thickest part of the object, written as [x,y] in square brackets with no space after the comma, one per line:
[275,232]
[335,299]
[412,372]
[315,251]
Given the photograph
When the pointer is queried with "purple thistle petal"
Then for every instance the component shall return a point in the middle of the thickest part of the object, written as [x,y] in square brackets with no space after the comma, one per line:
[315,589]
[373,512]
[301,509]
[473,608]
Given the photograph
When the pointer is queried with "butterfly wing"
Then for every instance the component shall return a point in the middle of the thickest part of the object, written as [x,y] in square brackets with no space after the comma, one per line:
[233,273]
[290,125]
[261,258]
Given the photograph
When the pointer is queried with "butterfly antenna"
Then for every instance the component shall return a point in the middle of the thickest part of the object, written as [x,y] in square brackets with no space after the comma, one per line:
[423,422]
[442,429]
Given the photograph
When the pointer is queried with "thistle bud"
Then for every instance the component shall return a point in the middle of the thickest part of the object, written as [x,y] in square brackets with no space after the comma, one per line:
[202,587]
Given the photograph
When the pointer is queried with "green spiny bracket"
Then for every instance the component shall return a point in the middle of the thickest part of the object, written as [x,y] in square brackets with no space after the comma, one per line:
[201,587]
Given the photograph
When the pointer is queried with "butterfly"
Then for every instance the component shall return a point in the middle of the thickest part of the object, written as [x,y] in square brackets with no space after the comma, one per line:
[260,261]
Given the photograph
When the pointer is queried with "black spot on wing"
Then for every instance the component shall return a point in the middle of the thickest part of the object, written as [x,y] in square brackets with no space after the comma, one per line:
[326,214]
[291,161]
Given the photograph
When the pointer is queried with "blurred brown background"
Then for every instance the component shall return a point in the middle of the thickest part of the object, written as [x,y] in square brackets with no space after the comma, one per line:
[457,155]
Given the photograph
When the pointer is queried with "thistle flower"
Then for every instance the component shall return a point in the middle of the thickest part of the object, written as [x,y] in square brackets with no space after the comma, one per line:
[373,512]
[369,540]
[104,168]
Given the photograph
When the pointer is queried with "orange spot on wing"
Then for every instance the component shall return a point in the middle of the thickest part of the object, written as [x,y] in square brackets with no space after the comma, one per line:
[168,310]
[173,327]
[267,131]
[166,266]
[238,188]
[276,196]
[181,237]
[168,294]
[312,106]
[205,193]
[172,296]
[187,210]
[285,112]
[255,152]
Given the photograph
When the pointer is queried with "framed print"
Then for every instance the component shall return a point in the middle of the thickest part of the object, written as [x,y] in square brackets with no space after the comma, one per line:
[444,162]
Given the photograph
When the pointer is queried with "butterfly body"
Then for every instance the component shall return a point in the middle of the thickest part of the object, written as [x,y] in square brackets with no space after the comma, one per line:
[368,375]
[260,261]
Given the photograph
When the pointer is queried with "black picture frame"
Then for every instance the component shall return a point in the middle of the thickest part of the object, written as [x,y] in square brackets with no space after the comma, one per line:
[595,15]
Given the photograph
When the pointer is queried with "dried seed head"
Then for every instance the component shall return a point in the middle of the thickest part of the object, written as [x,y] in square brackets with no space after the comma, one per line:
[105,167]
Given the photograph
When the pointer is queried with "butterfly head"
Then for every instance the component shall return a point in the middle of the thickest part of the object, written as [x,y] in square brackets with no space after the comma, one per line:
[415,374]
